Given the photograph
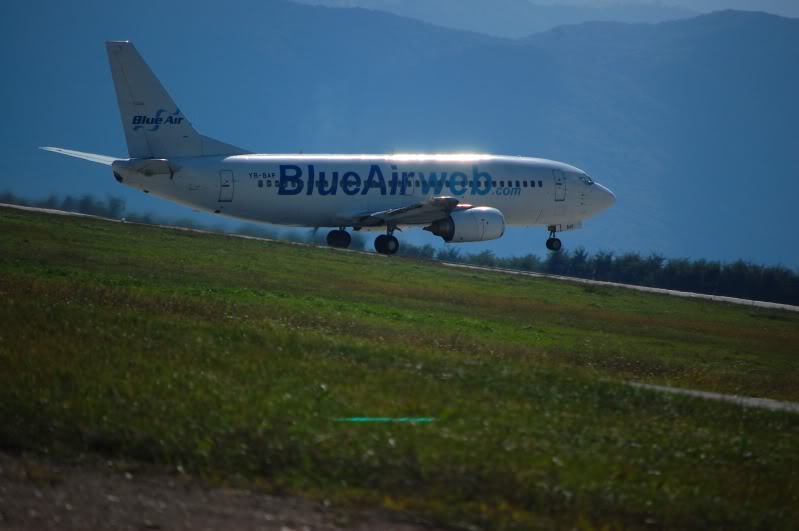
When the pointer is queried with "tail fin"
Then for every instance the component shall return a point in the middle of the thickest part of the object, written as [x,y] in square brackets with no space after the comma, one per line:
[154,126]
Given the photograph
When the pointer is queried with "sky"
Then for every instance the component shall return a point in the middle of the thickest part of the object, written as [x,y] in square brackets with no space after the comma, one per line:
[60,91]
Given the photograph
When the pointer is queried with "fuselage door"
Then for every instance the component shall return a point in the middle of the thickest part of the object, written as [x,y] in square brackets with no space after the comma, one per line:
[560,185]
[225,186]
[407,187]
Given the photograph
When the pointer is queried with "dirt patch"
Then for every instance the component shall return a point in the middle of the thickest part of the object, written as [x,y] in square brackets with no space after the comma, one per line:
[38,495]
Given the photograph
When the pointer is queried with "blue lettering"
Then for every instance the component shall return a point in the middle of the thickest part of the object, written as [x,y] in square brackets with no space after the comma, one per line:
[310,179]
[394,180]
[291,180]
[290,183]
[406,181]
[374,173]
[351,183]
[322,184]
[477,176]
[433,182]
[457,183]
[139,121]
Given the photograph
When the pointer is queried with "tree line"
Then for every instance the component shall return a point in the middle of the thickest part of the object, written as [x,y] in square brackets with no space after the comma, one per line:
[740,278]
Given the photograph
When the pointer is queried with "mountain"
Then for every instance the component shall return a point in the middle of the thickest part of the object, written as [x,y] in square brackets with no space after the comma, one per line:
[512,18]
[691,122]
[785,8]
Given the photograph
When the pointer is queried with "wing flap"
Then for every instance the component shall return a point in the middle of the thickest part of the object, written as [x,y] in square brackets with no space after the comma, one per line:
[426,211]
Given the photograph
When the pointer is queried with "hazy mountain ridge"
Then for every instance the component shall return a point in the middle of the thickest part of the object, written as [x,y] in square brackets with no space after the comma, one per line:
[509,18]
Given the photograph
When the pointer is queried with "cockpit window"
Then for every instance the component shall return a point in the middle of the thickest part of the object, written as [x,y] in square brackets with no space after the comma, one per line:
[586,179]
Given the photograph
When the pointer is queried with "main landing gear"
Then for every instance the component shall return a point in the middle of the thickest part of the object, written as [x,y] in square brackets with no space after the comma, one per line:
[387,243]
[553,244]
[339,238]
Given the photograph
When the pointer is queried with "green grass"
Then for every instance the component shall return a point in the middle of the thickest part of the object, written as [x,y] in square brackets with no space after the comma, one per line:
[235,357]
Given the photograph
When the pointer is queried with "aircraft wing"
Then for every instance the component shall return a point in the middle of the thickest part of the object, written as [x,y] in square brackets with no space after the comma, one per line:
[94,157]
[426,211]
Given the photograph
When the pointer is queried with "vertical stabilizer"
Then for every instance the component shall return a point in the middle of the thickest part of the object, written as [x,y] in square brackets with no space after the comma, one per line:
[154,125]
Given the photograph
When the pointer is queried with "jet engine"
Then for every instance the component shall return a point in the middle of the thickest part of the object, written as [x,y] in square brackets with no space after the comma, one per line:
[473,225]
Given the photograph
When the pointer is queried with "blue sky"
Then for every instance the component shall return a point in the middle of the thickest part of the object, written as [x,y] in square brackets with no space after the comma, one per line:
[59,89]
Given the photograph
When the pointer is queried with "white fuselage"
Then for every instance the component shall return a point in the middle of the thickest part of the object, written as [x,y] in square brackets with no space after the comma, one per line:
[330,190]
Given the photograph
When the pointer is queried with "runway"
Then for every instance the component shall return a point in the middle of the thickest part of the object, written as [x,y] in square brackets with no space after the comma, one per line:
[745,401]
[686,294]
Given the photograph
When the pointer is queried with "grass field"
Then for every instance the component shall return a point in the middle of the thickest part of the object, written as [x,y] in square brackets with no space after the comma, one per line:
[233,357]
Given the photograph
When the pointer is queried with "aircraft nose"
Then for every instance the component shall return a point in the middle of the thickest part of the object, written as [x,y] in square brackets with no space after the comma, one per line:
[602,198]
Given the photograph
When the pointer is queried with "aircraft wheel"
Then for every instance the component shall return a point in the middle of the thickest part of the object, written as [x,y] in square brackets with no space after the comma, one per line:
[386,244]
[339,238]
[554,244]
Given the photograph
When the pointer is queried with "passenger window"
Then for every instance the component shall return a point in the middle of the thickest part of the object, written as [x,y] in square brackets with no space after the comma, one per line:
[518,185]
[260,184]
[540,184]
[418,184]
[269,184]
[524,183]
[502,184]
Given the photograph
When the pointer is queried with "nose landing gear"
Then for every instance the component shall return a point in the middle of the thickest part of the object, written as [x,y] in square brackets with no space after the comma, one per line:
[553,244]
[339,238]
[387,243]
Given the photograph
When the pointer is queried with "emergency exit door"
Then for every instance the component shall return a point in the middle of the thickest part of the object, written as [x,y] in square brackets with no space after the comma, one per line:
[225,186]
[560,185]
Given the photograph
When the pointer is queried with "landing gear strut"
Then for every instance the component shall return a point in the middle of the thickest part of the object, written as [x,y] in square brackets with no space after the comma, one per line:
[387,243]
[553,244]
[339,238]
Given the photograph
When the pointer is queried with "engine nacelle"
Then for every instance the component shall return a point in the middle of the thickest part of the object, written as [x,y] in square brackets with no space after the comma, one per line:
[473,225]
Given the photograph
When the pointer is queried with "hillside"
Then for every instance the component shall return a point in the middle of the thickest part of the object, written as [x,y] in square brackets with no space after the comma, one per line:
[235,359]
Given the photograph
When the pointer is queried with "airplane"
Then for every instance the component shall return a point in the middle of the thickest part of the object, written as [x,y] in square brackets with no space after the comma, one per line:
[460,197]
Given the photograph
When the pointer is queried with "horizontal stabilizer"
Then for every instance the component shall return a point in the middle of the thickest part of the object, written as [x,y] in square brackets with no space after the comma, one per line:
[94,157]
